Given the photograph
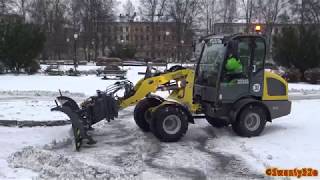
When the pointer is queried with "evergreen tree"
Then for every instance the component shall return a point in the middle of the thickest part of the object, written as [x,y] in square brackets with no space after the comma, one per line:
[298,48]
[20,44]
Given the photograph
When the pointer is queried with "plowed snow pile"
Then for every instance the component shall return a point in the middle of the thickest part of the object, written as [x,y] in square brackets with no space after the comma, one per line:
[53,165]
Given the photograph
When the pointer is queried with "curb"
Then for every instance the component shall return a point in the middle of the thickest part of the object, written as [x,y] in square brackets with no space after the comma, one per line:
[27,123]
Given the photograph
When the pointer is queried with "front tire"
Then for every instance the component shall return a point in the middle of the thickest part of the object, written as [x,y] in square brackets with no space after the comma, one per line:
[251,121]
[140,112]
[169,123]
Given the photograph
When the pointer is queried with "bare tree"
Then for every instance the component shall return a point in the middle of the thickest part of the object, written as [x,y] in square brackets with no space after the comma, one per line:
[152,11]
[129,8]
[185,14]
[6,6]
[52,16]
[248,7]
[306,11]
[22,7]
[268,12]
[209,14]
[229,11]
[89,17]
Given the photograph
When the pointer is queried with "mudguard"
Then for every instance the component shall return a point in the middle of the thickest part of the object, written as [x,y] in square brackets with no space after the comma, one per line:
[238,106]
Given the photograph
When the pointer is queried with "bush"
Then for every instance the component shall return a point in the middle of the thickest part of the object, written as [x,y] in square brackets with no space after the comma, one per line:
[33,67]
[2,68]
[123,51]
[72,72]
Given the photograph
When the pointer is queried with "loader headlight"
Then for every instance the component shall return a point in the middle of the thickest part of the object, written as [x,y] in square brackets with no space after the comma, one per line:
[181,83]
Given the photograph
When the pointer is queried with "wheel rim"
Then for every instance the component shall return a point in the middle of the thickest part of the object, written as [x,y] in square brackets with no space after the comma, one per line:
[171,124]
[252,121]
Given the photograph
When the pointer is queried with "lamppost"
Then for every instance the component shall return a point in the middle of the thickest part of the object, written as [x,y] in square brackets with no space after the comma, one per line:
[92,51]
[75,62]
[68,47]
[182,51]
[167,47]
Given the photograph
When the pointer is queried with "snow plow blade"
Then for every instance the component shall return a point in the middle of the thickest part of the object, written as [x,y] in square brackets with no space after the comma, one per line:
[92,111]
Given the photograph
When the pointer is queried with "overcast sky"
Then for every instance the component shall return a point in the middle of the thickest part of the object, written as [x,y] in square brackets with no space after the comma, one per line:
[122,2]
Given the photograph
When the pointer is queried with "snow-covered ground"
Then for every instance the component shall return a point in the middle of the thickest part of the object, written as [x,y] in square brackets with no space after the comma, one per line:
[124,152]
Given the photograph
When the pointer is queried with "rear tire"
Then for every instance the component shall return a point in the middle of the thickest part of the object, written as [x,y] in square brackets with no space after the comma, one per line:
[169,123]
[251,121]
[216,122]
[140,112]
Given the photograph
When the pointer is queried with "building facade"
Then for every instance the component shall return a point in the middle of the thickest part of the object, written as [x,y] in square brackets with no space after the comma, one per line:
[161,43]
[10,18]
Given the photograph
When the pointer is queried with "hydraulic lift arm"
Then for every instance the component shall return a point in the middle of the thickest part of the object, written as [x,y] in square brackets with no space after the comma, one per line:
[178,81]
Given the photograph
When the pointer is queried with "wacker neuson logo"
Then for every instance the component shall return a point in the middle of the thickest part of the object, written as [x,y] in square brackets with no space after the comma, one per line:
[296,172]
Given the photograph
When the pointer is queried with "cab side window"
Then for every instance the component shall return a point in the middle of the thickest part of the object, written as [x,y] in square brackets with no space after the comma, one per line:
[244,54]
[259,55]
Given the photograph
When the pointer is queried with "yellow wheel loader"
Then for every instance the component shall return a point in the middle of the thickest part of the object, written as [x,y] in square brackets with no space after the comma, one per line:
[246,99]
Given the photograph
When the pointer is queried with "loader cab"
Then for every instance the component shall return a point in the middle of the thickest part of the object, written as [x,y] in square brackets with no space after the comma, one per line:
[215,84]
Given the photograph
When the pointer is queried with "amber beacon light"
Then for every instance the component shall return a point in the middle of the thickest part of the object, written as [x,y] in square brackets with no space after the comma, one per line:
[258,28]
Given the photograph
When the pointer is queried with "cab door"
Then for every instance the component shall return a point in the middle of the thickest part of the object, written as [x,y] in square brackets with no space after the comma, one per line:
[257,66]
[236,85]
[208,72]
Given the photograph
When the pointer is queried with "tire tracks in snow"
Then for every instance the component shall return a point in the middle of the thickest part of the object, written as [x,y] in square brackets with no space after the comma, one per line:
[192,173]
[228,165]
[121,144]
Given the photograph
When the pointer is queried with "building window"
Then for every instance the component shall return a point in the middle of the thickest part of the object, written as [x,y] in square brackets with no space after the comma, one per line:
[159,38]
[127,37]
[148,28]
[147,38]
[136,37]
[164,37]
[142,38]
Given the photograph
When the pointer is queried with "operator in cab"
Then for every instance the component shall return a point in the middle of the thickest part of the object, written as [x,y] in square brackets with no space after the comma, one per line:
[233,65]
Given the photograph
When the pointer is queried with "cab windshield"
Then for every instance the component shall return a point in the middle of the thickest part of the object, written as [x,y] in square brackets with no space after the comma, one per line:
[210,62]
